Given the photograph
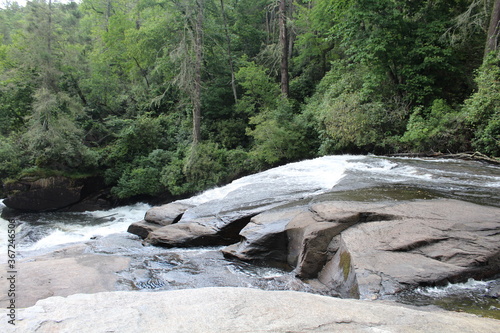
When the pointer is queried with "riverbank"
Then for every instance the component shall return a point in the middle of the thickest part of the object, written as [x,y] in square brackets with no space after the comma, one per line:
[387,192]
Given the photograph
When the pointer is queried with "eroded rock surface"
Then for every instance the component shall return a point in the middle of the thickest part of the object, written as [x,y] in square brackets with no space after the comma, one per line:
[373,249]
[234,310]
[346,248]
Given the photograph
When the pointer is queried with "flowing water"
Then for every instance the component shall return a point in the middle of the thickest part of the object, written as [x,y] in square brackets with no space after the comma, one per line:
[343,177]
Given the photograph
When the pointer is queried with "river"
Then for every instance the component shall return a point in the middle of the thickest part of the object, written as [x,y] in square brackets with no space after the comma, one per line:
[345,177]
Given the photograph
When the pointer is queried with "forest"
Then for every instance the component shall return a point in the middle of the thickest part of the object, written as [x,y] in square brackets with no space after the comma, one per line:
[176,96]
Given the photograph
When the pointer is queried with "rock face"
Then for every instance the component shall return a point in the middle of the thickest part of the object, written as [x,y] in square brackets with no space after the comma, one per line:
[372,249]
[181,224]
[233,310]
[347,248]
[56,193]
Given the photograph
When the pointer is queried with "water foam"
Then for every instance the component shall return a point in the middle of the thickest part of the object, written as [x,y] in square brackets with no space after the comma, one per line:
[320,174]
[100,224]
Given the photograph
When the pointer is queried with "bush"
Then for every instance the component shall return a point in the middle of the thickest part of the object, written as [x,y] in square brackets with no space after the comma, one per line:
[279,136]
[353,112]
[143,175]
[203,166]
[440,129]
[10,158]
[482,109]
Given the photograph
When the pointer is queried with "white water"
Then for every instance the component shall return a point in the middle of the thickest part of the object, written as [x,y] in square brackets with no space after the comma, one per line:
[435,292]
[294,180]
[316,175]
[55,230]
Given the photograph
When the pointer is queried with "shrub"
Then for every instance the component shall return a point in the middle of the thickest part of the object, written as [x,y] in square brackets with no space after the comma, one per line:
[440,129]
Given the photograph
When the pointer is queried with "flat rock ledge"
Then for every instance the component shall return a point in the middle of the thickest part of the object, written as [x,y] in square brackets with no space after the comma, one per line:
[61,273]
[233,310]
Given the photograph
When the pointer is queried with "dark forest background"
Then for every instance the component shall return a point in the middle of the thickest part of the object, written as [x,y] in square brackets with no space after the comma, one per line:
[179,95]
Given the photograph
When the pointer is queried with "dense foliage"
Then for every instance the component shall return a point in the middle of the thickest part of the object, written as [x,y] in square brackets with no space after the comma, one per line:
[174,96]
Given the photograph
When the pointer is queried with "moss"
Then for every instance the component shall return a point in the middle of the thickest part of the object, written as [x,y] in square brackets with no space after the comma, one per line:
[38,173]
[345,264]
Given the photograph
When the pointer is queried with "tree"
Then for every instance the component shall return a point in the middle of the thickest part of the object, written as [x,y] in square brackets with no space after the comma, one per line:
[284,47]
[229,53]
[494,29]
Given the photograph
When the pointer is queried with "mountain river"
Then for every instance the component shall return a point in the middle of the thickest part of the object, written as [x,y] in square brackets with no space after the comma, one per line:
[344,177]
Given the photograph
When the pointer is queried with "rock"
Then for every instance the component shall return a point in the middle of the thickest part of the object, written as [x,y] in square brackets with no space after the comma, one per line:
[167,214]
[265,236]
[372,249]
[183,235]
[157,217]
[142,228]
[65,272]
[197,227]
[56,193]
[233,310]
[338,273]
[494,292]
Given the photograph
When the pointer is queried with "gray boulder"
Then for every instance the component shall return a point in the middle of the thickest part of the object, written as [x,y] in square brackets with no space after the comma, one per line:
[167,214]
[360,249]
[157,217]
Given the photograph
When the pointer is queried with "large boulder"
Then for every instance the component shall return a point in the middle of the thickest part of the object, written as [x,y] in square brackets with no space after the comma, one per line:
[233,310]
[363,249]
[157,217]
[56,193]
[167,214]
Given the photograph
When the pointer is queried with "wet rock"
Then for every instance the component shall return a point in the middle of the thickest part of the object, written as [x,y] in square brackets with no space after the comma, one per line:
[234,310]
[199,225]
[494,291]
[265,237]
[142,228]
[183,235]
[56,193]
[167,214]
[374,249]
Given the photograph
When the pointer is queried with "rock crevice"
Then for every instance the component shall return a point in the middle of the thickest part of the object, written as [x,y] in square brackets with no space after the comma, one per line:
[349,248]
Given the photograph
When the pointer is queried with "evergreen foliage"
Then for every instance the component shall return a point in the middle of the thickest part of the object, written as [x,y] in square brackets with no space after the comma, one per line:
[175,96]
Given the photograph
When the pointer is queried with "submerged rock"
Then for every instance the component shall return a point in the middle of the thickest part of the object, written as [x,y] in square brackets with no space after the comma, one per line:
[234,310]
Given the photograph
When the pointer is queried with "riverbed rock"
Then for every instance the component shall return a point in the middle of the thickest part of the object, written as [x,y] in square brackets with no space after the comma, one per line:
[370,249]
[61,273]
[160,216]
[167,214]
[56,193]
[143,228]
[233,310]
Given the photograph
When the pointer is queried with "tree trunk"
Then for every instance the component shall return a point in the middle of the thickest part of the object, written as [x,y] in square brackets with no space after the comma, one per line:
[230,60]
[284,48]
[494,29]
[197,75]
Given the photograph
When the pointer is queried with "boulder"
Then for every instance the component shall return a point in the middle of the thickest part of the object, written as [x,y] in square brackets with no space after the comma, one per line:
[167,214]
[363,249]
[56,193]
[233,310]
[142,228]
